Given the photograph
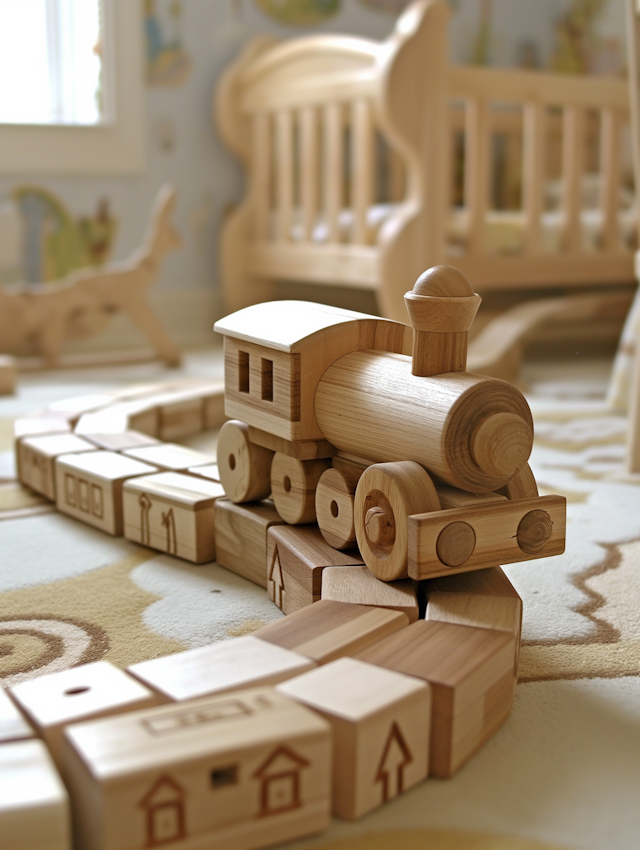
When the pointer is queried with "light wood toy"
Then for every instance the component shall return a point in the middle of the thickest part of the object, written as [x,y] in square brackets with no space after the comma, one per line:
[296,559]
[245,662]
[416,473]
[286,110]
[80,693]
[173,513]
[245,770]
[34,804]
[380,738]
[85,301]
[472,682]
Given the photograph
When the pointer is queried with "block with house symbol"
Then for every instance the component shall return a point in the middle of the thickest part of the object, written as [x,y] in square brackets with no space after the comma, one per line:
[244,770]
[174,513]
[296,557]
[380,722]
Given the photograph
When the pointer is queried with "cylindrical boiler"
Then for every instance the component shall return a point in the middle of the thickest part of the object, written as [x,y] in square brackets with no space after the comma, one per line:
[470,431]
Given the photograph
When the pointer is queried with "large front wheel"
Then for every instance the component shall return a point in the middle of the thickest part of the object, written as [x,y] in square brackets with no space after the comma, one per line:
[387,494]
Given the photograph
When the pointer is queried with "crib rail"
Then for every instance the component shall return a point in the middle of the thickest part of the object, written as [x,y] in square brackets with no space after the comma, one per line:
[542,109]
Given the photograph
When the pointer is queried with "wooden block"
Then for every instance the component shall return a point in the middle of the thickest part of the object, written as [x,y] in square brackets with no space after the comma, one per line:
[36,459]
[210,471]
[8,374]
[293,487]
[451,497]
[358,585]
[243,662]
[80,693]
[243,770]
[170,456]
[296,557]
[119,442]
[241,537]
[482,598]
[472,683]
[73,408]
[380,722]
[31,426]
[13,726]
[173,513]
[180,415]
[89,487]
[470,538]
[34,805]
[135,415]
[328,630]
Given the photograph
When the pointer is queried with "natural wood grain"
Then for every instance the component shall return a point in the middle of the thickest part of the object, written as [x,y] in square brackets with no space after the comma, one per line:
[120,441]
[358,585]
[380,722]
[37,455]
[368,404]
[387,495]
[89,487]
[244,467]
[328,630]
[296,558]
[241,537]
[301,449]
[504,534]
[293,487]
[231,665]
[92,690]
[34,805]
[482,598]
[170,456]
[335,505]
[242,770]
[174,513]
[464,667]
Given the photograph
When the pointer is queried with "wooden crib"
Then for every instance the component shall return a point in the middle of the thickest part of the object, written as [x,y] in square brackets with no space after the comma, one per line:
[355,151]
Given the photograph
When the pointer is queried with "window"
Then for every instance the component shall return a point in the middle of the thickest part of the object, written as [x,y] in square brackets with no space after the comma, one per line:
[222,776]
[71,87]
[267,379]
[243,371]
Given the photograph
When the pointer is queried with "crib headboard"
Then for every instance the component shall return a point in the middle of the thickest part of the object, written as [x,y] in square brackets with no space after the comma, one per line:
[311,119]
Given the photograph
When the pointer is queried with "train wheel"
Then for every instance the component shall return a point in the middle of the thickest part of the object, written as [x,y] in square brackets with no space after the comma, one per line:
[244,467]
[521,486]
[335,502]
[387,494]
[293,487]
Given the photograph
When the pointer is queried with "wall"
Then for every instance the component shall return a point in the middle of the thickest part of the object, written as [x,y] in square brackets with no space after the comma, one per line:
[184,149]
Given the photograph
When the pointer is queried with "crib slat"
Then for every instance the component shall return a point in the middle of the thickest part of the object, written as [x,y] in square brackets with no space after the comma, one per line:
[262,174]
[533,175]
[610,176]
[309,165]
[477,173]
[333,172]
[361,168]
[284,174]
[573,154]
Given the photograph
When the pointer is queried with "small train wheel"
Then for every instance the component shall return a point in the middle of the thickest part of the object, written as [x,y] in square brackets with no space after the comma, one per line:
[244,467]
[521,486]
[387,494]
[293,487]
[335,501]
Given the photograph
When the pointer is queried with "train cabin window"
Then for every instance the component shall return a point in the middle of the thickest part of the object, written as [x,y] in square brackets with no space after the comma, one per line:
[266,372]
[243,371]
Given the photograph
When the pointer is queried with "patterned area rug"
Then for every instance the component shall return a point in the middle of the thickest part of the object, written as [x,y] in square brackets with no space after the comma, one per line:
[565,769]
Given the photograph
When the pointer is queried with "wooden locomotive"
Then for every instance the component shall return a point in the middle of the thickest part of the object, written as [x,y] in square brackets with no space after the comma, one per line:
[380,435]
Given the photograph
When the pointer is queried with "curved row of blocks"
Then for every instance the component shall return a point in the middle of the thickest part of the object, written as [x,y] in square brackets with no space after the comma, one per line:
[336,708]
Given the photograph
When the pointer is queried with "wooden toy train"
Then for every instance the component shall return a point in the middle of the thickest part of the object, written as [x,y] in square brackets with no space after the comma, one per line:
[381,435]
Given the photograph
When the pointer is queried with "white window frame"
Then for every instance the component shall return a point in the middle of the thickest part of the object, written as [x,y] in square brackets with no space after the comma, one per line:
[115,146]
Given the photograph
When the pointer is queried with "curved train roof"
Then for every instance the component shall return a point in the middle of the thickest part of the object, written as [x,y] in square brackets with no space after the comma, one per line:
[287,325]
